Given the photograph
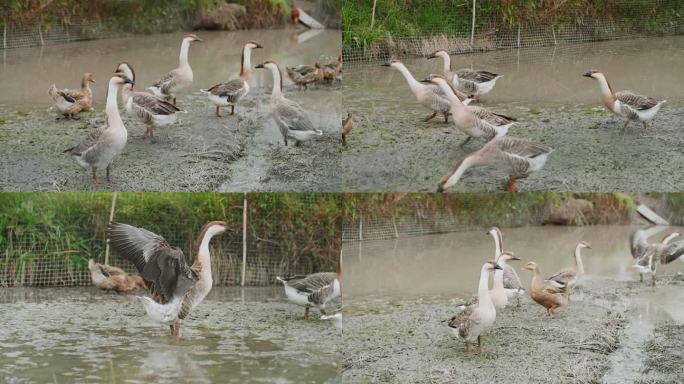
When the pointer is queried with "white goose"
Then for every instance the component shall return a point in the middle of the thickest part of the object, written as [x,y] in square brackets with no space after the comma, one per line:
[512,285]
[227,94]
[179,78]
[176,287]
[476,122]
[102,145]
[467,80]
[288,115]
[517,157]
[569,278]
[152,110]
[430,96]
[478,315]
[633,106]
[314,290]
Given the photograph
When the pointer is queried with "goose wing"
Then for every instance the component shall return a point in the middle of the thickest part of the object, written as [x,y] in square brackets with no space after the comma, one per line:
[163,267]
[511,280]
[672,252]
[310,283]
[638,243]
[437,91]
[153,105]
[292,115]
[563,278]
[491,117]
[233,89]
[522,148]
[465,320]
[636,101]
[476,76]
[88,146]
[166,83]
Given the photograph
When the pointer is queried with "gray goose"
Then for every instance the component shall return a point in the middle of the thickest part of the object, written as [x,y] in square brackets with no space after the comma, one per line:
[314,290]
[288,115]
[102,145]
[153,111]
[176,287]
[179,78]
[517,157]
[230,92]
[467,80]
[647,255]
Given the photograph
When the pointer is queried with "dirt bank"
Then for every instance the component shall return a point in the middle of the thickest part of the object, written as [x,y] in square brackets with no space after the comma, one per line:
[406,340]
[395,150]
[199,153]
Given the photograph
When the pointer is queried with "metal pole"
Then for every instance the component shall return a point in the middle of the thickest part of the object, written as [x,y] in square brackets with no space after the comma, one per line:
[111,218]
[244,240]
[472,29]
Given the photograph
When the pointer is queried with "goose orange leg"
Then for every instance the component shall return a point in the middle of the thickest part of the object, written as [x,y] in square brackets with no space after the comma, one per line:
[218,114]
[479,345]
[232,109]
[625,126]
[306,313]
[95,179]
[653,279]
[175,330]
[511,184]
[468,346]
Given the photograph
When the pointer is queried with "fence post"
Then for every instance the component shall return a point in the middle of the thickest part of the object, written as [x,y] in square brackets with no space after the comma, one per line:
[375,2]
[360,227]
[244,240]
[111,218]
[472,29]
[518,35]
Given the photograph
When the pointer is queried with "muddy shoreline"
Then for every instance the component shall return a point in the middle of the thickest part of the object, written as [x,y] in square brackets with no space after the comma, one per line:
[199,153]
[405,340]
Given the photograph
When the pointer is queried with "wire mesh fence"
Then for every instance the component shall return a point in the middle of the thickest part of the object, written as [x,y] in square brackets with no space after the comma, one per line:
[38,35]
[489,32]
[47,239]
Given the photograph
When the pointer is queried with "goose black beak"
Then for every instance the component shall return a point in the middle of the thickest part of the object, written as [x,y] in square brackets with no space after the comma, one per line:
[197,39]
[432,55]
[128,81]
[259,45]
[515,258]
[387,64]
[588,74]
[426,81]
[440,188]
[259,66]
[497,266]
[227,228]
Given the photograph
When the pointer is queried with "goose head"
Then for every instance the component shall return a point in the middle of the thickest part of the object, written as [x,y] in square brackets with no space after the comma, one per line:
[268,65]
[191,38]
[531,266]
[583,244]
[492,266]
[253,45]
[439,53]
[392,64]
[509,256]
[120,78]
[434,79]
[127,70]
[669,237]
[88,77]
[594,74]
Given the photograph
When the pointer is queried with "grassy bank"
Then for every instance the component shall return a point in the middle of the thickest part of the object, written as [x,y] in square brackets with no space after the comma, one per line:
[397,18]
[43,234]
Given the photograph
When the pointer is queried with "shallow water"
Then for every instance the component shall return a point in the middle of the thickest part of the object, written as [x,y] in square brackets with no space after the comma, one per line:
[86,335]
[449,264]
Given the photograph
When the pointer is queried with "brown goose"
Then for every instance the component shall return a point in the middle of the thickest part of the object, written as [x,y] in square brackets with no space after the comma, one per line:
[152,110]
[102,145]
[179,78]
[111,278]
[569,278]
[633,106]
[347,126]
[230,92]
[517,157]
[544,292]
[176,287]
[303,75]
[70,102]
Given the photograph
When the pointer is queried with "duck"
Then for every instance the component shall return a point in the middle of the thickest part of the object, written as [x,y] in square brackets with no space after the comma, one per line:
[153,111]
[179,78]
[288,115]
[647,256]
[347,126]
[512,285]
[545,293]
[570,277]
[631,105]
[478,315]
[230,92]
[70,102]
[332,69]
[428,95]
[176,287]
[111,278]
[105,143]
[476,122]
[303,75]
[518,157]
[475,82]
[314,290]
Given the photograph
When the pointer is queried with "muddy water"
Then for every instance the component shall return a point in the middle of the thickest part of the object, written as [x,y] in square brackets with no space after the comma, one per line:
[201,152]
[85,335]
[449,264]
[542,88]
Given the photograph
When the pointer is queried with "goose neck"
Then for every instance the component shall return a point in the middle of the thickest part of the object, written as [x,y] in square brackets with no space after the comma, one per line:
[460,169]
[112,107]
[277,82]
[246,64]
[412,82]
[183,58]
[578,261]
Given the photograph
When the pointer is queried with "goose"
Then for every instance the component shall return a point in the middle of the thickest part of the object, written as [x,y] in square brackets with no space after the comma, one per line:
[571,277]
[430,96]
[176,287]
[518,157]
[314,290]
[152,110]
[70,102]
[179,78]
[647,255]
[288,115]
[303,75]
[479,314]
[545,293]
[102,145]
[230,92]
[633,106]
[113,278]
[512,284]
[476,122]
[467,80]
[347,126]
